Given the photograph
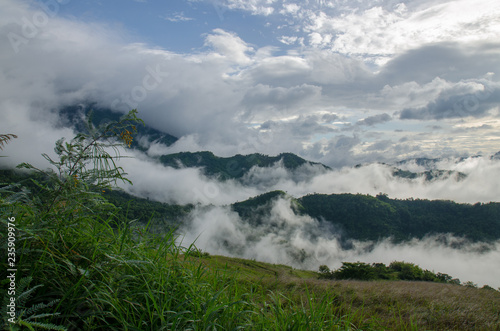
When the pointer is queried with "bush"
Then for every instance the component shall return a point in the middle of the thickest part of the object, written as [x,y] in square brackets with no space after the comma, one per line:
[397,270]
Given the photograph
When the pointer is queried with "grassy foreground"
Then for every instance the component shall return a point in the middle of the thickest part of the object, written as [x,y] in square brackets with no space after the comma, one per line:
[373,305]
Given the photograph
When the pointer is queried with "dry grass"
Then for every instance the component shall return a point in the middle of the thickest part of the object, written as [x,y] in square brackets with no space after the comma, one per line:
[390,305]
[428,306]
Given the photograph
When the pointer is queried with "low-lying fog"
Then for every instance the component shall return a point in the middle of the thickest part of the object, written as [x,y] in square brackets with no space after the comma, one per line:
[305,243]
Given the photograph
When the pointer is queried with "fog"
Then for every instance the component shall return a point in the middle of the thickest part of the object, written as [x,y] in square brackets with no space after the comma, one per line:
[190,185]
[306,243]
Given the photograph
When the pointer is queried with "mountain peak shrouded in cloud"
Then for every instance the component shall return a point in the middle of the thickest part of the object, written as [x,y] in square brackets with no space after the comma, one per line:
[237,166]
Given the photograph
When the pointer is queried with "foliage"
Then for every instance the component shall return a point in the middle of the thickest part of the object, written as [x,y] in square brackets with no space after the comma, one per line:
[146,210]
[429,175]
[27,316]
[5,138]
[257,207]
[138,209]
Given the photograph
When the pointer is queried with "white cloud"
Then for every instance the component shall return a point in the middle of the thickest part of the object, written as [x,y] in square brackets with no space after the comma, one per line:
[177,17]
[385,32]
[230,46]
[289,40]
[291,8]
[256,7]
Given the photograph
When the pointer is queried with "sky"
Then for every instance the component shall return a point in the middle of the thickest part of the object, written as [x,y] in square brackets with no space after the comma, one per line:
[339,82]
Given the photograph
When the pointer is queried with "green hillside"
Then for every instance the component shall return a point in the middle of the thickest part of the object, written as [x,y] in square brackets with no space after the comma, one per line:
[366,217]
[368,305]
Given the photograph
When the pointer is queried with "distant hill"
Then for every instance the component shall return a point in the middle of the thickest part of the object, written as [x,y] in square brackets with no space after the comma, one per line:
[232,167]
[420,161]
[364,217]
[429,175]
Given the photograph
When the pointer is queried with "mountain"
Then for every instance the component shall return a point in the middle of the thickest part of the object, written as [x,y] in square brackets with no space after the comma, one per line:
[420,161]
[232,167]
[429,175]
[256,209]
[74,117]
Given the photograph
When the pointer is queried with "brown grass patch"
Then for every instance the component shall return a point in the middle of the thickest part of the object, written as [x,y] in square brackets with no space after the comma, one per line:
[390,305]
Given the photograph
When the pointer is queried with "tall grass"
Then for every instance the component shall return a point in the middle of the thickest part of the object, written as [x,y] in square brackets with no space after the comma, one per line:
[80,267]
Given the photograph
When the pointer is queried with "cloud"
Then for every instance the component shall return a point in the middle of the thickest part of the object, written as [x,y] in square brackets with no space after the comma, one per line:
[289,40]
[229,46]
[178,17]
[381,145]
[482,96]
[447,60]
[375,119]
[255,7]
[383,31]
[287,101]
[233,97]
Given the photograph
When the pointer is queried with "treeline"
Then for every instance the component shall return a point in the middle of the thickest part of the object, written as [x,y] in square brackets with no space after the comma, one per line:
[257,208]
[365,217]
[429,175]
[397,270]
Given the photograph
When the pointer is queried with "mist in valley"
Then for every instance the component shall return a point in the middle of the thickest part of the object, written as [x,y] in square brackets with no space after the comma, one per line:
[305,243]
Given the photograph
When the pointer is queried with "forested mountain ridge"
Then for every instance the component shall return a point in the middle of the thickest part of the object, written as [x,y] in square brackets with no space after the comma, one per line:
[365,217]
[233,167]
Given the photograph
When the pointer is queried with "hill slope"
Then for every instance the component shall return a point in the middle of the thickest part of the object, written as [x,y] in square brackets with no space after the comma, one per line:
[387,305]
